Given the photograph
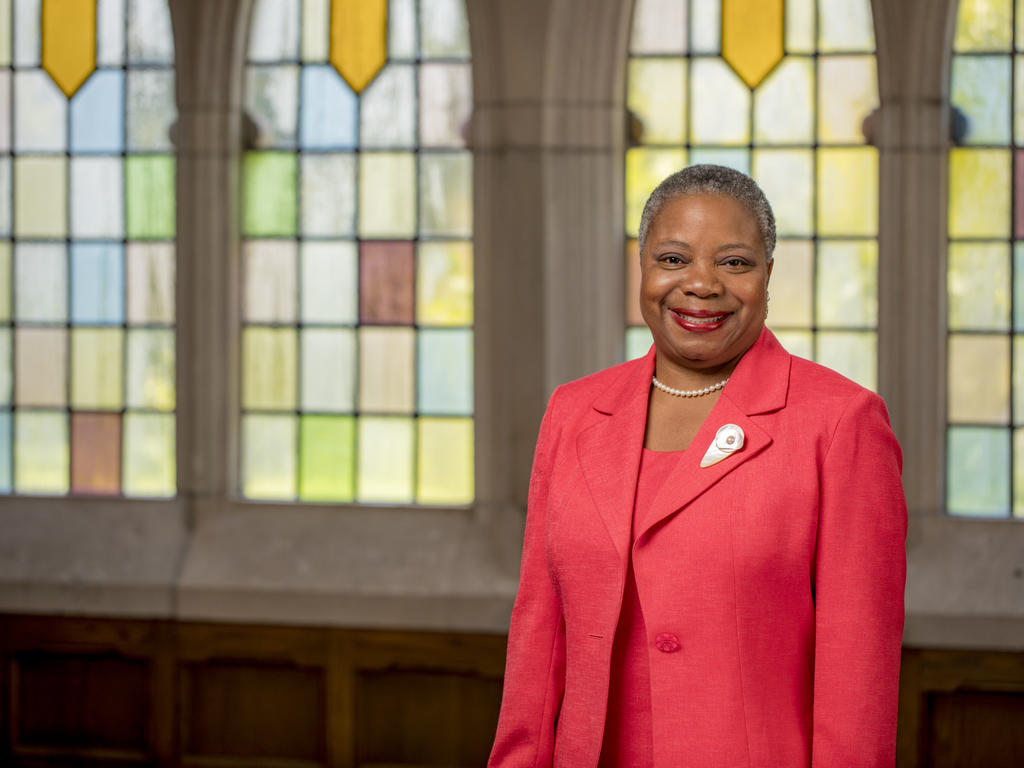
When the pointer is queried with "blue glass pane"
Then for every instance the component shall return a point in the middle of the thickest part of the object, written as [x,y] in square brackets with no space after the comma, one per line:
[445,363]
[731,158]
[329,110]
[97,283]
[5,451]
[978,472]
[981,89]
[97,114]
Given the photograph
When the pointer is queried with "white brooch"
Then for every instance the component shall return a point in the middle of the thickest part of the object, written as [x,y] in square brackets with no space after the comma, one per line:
[728,440]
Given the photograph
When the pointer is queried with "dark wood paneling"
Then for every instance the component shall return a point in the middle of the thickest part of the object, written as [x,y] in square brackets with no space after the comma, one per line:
[970,729]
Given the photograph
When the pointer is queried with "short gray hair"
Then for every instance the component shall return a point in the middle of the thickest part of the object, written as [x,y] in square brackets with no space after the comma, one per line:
[712,180]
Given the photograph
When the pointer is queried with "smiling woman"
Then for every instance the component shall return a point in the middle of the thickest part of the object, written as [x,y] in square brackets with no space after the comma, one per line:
[706,578]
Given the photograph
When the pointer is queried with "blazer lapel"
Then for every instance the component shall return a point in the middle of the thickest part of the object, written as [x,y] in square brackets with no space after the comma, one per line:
[609,450]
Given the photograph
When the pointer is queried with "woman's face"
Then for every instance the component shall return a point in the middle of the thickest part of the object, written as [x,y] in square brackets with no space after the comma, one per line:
[704,280]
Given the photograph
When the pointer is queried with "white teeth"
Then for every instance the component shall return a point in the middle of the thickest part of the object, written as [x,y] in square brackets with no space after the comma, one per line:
[700,320]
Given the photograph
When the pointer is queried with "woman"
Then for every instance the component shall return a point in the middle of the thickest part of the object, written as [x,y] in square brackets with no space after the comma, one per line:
[713,564]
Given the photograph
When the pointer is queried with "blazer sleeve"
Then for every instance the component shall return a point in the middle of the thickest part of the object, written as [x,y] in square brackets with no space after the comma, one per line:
[860,570]
[535,664]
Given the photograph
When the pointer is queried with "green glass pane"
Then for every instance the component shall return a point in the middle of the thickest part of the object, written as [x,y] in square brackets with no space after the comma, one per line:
[1018,287]
[6,453]
[446,194]
[327,458]
[444,361]
[978,281]
[269,359]
[978,472]
[329,282]
[150,276]
[272,100]
[149,455]
[1018,100]
[40,452]
[445,454]
[800,23]
[845,25]
[387,194]
[387,109]
[444,283]
[444,31]
[40,366]
[980,88]
[270,273]
[40,197]
[720,104]
[5,281]
[386,370]
[269,194]
[149,196]
[150,369]
[402,33]
[5,368]
[328,369]
[316,29]
[848,191]
[705,26]
[659,26]
[329,194]
[847,284]
[645,168]
[386,447]
[1018,473]
[791,285]
[799,343]
[847,93]
[979,193]
[97,356]
[638,342]
[983,25]
[787,178]
[656,95]
[979,379]
[738,159]
[1018,381]
[94,215]
[269,456]
[855,355]
[40,283]
[782,111]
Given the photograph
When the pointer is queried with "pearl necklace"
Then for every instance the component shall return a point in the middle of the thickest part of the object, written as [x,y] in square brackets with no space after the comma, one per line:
[688,392]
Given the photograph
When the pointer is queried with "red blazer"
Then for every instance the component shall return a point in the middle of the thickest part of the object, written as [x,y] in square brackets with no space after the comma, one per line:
[771,582]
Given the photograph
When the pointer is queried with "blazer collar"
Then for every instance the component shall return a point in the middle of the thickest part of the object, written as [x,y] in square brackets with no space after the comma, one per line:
[609,451]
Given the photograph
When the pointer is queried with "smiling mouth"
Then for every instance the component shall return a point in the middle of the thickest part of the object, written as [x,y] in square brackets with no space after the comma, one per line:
[703,318]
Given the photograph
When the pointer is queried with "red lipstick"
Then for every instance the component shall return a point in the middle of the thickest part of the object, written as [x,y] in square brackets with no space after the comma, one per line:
[699,320]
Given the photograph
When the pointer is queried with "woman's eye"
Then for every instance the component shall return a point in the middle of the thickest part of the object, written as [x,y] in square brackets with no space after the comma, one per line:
[736,261]
[671,258]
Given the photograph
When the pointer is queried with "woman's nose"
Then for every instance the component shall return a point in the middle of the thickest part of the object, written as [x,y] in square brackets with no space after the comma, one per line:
[701,279]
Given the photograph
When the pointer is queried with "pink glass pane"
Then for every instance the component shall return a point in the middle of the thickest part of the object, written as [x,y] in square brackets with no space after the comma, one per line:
[95,453]
[386,282]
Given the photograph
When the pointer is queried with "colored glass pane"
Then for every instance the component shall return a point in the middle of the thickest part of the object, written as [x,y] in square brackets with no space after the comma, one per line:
[787,178]
[148,32]
[1017,385]
[720,104]
[847,93]
[5,371]
[357,248]
[752,37]
[792,285]
[268,456]
[1018,474]
[847,284]
[5,33]
[110,33]
[848,191]
[149,373]
[705,25]
[40,452]
[657,96]
[983,25]
[801,17]
[96,453]
[26,32]
[97,114]
[149,197]
[445,452]
[855,355]
[978,280]
[638,342]
[659,26]
[978,471]
[96,216]
[780,104]
[149,272]
[149,455]
[40,283]
[981,90]
[979,379]
[150,111]
[644,169]
[69,42]
[979,193]
[40,197]
[40,367]
[96,363]
[40,113]
[6,478]
[633,315]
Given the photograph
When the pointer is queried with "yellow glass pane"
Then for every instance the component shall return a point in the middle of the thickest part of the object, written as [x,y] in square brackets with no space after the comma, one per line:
[97,368]
[5,33]
[792,285]
[978,281]
[149,374]
[752,37]
[847,289]
[445,472]
[720,110]
[387,195]
[268,457]
[1018,99]
[800,21]
[69,42]
[5,281]
[40,197]
[1019,15]
[645,168]
[979,193]
[1018,380]
[656,95]
[1018,472]
[787,178]
[781,115]
[5,370]
[359,39]
[983,25]
[848,191]
[387,382]
[386,446]
[979,379]
[847,93]
[799,343]
[855,355]
[41,452]
[150,466]
[269,368]
[845,25]
[444,283]
[40,366]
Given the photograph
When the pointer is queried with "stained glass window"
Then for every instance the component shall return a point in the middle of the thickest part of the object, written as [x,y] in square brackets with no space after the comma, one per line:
[87,217]
[985,273]
[357,339]
[778,89]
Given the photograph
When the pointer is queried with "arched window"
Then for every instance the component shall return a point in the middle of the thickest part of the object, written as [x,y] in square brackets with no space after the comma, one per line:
[985,277]
[87,219]
[357,348]
[779,89]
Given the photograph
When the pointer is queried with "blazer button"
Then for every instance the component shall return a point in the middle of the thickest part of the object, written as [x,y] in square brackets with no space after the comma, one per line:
[666,642]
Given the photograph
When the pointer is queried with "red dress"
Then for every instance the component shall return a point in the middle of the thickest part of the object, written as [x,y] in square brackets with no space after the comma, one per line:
[628,731]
